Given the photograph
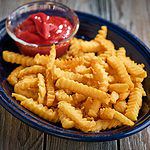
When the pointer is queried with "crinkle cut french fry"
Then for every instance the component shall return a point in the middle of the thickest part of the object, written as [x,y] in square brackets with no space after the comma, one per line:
[70,111]
[82,89]
[18,58]
[89,81]
[31,70]
[75,47]
[66,122]
[19,97]
[102,62]
[140,86]
[37,109]
[120,69]
[105,124]
[49,77]
[61,95]
[60,63]
[103,31]
[123,119]
[42,89]
[74,99]
[69,63]
[90,46]
[13,77]
[52,57]
[114,123]
[101,75]
[50,89]
[81,69]
[107,53]
[133,68]
[134,104]
[58,73]
[106,45]
[108,113]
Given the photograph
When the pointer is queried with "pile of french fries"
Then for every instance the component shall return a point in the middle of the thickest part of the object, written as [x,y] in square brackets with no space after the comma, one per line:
[92,87]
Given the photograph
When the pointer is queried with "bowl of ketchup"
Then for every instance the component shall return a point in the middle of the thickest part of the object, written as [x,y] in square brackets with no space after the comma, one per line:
[36,26]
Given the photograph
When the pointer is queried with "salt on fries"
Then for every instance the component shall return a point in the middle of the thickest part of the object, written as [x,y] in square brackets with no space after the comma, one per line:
[92,87]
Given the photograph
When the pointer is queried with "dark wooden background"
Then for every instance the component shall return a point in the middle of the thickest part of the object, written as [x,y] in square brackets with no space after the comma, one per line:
[134,15]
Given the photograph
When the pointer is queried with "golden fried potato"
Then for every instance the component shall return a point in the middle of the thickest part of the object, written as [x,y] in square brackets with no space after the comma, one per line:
[18,58]
[36,108]
[70,111]
[108,113]
[120,69]
[13,77]
[92,87]
[82,89]
[134,104]
[42,89]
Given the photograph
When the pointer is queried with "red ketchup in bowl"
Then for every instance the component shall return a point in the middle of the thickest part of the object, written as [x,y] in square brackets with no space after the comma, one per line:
[43,30]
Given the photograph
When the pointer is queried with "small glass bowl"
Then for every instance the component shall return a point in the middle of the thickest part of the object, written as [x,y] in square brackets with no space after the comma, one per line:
[49,8]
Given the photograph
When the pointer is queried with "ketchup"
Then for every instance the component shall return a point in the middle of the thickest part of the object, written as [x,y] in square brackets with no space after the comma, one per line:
[40,28]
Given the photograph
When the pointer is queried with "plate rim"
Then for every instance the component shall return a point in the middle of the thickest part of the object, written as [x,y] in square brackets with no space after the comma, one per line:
[71,136]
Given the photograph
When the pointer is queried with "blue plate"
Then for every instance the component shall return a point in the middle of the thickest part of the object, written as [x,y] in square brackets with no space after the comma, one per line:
[89,25]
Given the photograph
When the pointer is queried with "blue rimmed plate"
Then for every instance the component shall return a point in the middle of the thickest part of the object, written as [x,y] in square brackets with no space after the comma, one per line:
[89,25]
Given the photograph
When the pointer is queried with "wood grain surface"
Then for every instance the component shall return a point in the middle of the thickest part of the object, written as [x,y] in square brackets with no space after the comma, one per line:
[134,15]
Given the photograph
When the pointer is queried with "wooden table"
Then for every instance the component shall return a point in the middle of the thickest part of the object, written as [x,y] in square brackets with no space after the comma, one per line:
[134,15]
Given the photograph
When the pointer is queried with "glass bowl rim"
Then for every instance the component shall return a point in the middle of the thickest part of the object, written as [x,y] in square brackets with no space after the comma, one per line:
[16,39]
